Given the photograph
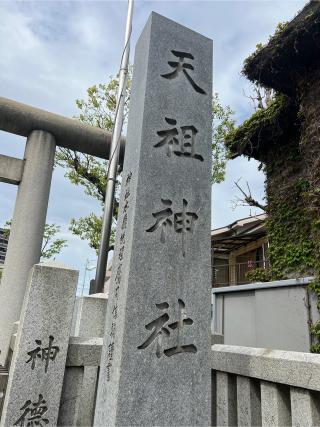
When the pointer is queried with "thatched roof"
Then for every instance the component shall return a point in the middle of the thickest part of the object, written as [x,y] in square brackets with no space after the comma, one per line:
[289,53]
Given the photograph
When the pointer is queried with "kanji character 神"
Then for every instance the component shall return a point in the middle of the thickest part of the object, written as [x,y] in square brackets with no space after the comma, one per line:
[45,354]
[183,222]
[163,220]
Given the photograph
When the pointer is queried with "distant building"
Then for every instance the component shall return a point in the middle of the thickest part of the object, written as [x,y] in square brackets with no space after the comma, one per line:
[238,248]
[3,246]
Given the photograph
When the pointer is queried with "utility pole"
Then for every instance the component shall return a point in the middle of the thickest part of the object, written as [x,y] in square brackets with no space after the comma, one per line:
[113,159]
[87,268]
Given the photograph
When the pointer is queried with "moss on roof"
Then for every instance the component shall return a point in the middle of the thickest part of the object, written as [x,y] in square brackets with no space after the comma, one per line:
[289,53]
[265,128]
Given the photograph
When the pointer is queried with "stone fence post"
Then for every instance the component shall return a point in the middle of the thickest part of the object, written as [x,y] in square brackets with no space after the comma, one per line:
[80,382]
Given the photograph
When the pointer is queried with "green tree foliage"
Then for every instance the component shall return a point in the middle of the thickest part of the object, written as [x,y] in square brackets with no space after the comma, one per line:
[89,228]
[50,246]
[223,123]
[99,109]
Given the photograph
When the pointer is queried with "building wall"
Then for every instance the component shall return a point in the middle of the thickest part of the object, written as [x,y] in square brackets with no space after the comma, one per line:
[234,256]
[221,273]
[275,315]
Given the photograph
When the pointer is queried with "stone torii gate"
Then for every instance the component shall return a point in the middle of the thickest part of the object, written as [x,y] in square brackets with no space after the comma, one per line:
[44,131]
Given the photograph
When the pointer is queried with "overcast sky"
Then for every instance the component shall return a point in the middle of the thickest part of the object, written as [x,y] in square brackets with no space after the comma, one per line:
[52,51]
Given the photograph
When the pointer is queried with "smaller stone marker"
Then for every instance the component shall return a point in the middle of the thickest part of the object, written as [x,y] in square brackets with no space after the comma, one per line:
[89,316]
[80,382]
[38,363]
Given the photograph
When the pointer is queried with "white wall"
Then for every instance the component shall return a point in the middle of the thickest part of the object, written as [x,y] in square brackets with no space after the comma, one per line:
[269,315]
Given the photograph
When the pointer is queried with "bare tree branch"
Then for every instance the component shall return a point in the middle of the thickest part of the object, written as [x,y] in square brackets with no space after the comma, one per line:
[247,199]
[261,98]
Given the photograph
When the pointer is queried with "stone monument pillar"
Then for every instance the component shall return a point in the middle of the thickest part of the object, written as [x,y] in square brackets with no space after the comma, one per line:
[155,366]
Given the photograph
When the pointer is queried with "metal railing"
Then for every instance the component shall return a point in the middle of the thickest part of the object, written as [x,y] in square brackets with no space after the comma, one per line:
[235,274]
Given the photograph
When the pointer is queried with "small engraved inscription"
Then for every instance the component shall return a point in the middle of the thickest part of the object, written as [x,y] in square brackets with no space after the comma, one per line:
[43,353]
[181,67]
[161,329]
[128,178]
[33,413]
[118,275]
[117,278]
[110,359]
[113,329]
[121,251]
[115,312]
[124,221]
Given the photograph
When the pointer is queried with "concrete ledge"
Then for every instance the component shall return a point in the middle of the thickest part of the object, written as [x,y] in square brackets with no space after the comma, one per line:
[284,367]
[217,339]
[84,351]
[264,285]
[11,169]
[22,119]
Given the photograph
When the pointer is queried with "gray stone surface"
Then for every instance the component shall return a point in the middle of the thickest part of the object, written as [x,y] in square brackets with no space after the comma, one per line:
[90,315]
[248,402]
[14,335]
[80,382]
[275,405]
[226,399]
[162,265]
[22,119]
[27,228]
[213,398]
[78,396]
[83,360]
[69,405]
[3,385]
[84,351]
[88,321]
[37,368]
[305,407]
[278,366]
[216,339]
[11,169]
[88,396]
